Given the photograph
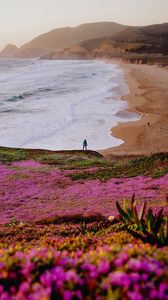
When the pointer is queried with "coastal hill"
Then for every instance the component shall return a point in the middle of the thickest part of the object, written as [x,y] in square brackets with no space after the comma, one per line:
[144,44]
[9,51]
[138,41]
[61,38]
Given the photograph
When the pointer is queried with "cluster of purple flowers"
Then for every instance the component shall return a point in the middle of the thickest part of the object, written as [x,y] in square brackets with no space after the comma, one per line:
[107,272]
[88,266]
[30,190]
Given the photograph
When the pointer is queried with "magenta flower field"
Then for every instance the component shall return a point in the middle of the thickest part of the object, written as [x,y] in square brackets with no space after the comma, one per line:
[32,191]
[104,273]
[63,237]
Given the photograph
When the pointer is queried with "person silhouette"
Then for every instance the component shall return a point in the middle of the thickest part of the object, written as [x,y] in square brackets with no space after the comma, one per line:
[85,144]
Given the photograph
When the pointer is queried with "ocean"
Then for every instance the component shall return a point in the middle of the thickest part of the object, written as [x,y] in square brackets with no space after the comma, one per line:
[56,104]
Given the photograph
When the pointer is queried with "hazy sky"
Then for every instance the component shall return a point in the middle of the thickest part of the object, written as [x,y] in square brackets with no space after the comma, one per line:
[22,20]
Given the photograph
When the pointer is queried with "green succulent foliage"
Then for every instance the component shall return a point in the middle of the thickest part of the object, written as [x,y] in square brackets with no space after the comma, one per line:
[149,227]
[13,222]
[83,227]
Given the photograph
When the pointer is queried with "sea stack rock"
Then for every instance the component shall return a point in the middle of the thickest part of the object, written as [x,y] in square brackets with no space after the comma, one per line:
[9,51]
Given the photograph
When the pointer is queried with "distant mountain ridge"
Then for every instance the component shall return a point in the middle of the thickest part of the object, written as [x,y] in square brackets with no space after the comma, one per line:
[61,38]
[147,44]
[153,38]
[91,40]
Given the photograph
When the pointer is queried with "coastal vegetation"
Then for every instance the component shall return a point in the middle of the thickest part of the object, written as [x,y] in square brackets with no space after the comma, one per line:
[75,225]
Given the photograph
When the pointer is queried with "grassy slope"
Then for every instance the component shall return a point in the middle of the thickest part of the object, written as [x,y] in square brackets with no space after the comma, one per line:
[155,165]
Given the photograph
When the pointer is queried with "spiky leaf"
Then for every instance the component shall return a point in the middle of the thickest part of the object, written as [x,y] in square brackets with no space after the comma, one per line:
[162,236]
[135,214]
[122,212]
[142,211]
[132,201]
[150,221]
[127,209]
[125,204]
[158,221]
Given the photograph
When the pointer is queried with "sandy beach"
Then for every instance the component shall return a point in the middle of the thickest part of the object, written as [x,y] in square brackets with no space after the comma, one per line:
[149,97]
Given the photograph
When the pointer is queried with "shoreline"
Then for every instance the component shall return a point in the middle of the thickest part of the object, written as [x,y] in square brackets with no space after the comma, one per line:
[148,96]
[71,113]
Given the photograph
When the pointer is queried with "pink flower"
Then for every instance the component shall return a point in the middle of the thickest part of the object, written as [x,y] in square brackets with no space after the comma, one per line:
[72,276]
[104,266]
[68,295]
[24,287]
[135,296]
[120,279]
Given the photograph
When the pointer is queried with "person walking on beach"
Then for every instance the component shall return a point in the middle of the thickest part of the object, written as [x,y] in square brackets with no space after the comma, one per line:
[85,144]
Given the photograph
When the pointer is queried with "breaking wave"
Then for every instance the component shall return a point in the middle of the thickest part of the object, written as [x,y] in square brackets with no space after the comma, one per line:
[56,104]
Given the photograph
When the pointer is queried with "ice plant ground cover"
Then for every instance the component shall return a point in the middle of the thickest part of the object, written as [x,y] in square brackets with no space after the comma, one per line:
[64,184]
[56,241]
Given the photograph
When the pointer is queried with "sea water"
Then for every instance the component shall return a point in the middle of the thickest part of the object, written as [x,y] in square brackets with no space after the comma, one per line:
[56,104]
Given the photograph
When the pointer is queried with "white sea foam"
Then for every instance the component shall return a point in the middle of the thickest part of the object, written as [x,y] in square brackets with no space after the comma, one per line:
[56,104]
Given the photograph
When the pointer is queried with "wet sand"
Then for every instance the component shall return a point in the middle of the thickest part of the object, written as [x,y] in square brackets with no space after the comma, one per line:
[148,97]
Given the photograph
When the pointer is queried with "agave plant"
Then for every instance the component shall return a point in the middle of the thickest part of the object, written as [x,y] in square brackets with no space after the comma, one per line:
[156,228]
[130,214]
[150,227]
